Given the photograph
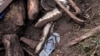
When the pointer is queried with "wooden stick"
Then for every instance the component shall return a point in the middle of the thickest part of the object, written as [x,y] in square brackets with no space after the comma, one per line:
[78,20]
[85,36]
[77,9]
[32,44]
[12,45]
[4,5]
[28,51]
[44,37]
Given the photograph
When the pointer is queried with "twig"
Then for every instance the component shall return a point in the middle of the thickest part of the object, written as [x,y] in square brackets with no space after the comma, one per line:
[78,20]
[89,8]
[85,36]
[77,9]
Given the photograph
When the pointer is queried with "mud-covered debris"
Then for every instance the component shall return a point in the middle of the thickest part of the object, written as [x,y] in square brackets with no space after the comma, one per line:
[48,17]
[45,33]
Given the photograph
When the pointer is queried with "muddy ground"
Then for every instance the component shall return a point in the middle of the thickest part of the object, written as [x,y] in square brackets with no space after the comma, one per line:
[68,30]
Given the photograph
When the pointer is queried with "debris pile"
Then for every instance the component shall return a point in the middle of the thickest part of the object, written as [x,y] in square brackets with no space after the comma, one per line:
[19,19]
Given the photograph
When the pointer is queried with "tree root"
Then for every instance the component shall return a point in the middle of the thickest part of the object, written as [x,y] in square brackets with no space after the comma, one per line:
[78,20]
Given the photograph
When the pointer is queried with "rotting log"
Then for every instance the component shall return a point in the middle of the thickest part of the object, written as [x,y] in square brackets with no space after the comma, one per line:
[33,9]
[12,45]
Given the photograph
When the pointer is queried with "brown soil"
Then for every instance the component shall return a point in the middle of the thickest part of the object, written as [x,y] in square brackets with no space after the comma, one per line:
[67,28]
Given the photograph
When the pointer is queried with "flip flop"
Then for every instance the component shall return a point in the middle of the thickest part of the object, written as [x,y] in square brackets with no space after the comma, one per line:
[50,44]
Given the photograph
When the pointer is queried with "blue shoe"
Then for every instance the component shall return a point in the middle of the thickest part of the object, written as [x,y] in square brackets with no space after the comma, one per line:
[50,44]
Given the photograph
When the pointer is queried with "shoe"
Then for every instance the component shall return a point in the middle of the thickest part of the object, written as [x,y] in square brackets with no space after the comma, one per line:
[50,44]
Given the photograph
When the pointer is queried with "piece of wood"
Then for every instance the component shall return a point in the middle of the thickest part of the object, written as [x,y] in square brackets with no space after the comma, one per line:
[32,44]
[33,9]
[28,51]
[76,8]
[76,19]
[51,16]
[44,37]
[12,45]
[4,5]
[84,36]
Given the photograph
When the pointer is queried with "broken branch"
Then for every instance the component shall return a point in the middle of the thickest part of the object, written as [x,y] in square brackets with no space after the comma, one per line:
[85,36]
[78,20]
[77,9]
[44,37]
